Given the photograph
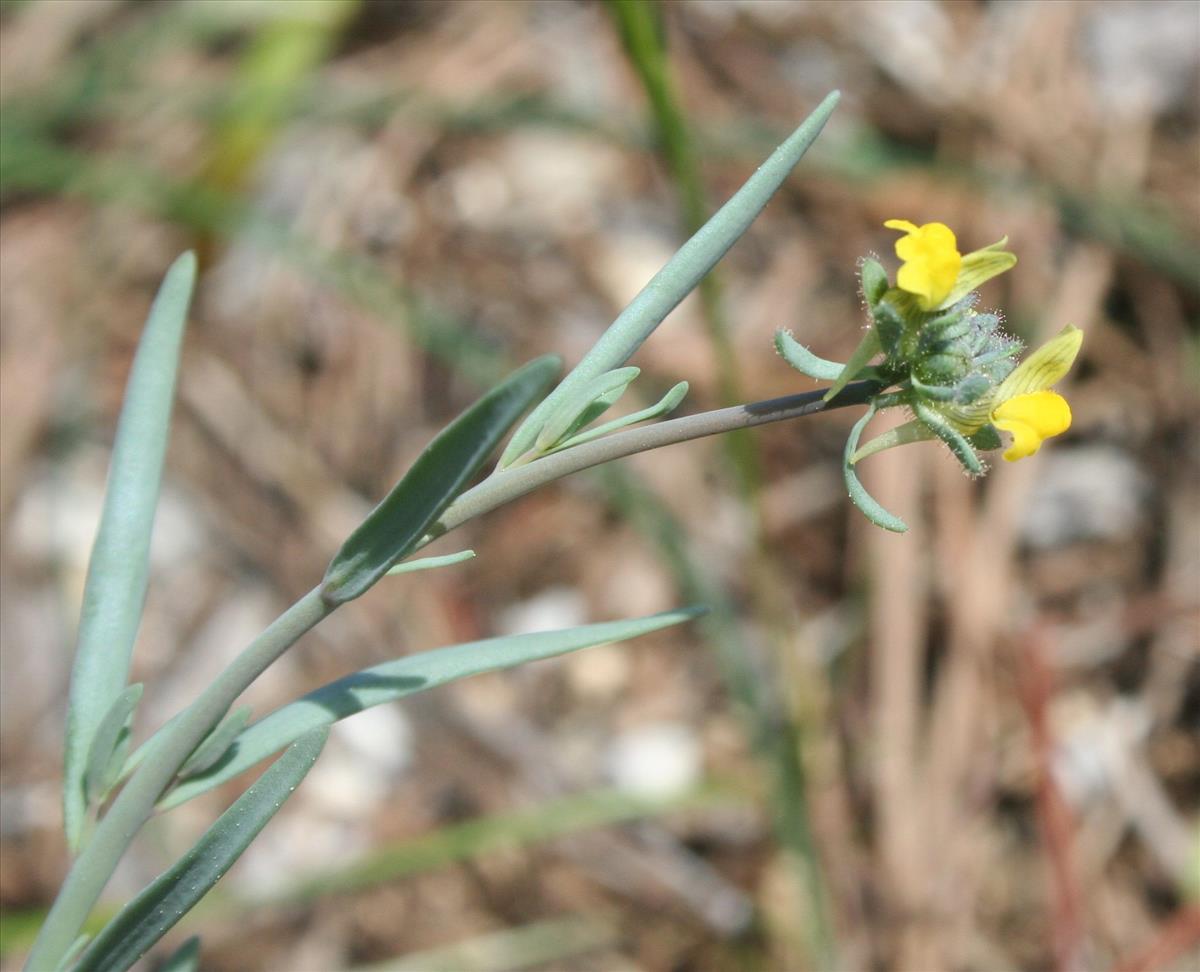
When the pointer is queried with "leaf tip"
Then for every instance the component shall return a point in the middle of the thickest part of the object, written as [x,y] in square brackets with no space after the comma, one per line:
[548,362]
[186,263]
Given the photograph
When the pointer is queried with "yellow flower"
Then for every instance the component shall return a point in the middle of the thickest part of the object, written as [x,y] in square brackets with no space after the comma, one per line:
[935,272]
[1023,403]
[931,261]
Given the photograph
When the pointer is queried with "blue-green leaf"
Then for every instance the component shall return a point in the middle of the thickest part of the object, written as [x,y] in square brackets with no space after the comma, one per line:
[405,676]
[803,360]
[216,743]
[440,473]
[858,493]
[679,277]
[116,579]
[173,893]
[867,348]
[909,432]
[429,563]
[664,406]
[585,403]
[186,958]
[73,952]
[110,745]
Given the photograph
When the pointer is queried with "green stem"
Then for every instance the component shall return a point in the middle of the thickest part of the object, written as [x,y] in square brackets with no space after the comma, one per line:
[506,485]
[135,803]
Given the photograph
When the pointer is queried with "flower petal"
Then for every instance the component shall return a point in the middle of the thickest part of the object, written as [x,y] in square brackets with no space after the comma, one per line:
[1044,367]
[901,224]
[1031,418]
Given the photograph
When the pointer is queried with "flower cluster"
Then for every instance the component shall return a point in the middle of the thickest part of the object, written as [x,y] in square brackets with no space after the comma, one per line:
[929,350]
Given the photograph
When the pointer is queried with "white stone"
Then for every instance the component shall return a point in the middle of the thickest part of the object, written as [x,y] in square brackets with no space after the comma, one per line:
[659,760]
[555,607]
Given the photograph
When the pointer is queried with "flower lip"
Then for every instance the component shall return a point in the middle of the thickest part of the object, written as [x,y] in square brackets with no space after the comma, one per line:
[931,261]
[1031,419]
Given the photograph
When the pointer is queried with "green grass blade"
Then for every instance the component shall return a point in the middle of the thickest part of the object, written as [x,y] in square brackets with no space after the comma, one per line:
[116,579]
[522,827]
[405,676]
[440,473]
[679,277]
[541,944]
[173,893]
[775,738]
[277,64]
[642,27]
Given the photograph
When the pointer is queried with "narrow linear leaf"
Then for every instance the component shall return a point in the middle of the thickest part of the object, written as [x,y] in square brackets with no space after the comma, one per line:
[858,493]
[519,827]
[429,563]
[679,277]
[554,943]
[440,473]
[146,749]
[405,676]
[803,360]
[186,958]
[585,418]
[216,743]
[867,348]
[604,389]
[173,893]
[101,774]
[905,434]
[117,571]
[73,952]
[664,406]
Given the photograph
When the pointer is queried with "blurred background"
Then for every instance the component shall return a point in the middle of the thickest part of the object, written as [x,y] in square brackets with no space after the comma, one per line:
[974,746]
